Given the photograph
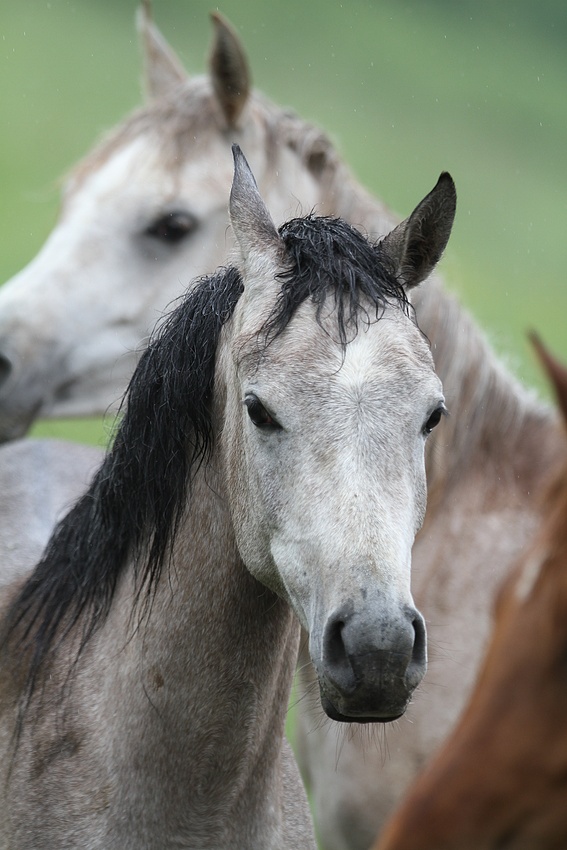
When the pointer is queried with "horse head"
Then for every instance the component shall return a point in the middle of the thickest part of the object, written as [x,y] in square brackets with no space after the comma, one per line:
[327,392]
[141,215]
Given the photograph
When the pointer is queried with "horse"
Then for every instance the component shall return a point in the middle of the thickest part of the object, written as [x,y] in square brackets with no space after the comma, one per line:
[270,463]
[143,212]
[499,779]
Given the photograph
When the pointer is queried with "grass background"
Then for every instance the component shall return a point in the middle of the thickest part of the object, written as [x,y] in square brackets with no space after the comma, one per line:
[405,88]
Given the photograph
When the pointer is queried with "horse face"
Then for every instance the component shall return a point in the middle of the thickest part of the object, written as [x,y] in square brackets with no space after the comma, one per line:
[329,450]
[126,243]
[324,447]
[142,215]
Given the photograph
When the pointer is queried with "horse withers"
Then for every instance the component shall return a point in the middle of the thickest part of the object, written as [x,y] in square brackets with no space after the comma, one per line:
[269,463]
[499,780]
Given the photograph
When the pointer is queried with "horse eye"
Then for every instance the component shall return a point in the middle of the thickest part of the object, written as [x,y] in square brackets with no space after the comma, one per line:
[172,227]
[259,415]
[434,419]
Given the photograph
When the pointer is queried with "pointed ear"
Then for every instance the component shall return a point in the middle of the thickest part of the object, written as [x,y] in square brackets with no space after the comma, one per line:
[415,246]
[556,372]
[249,216]
[229,70]
[162,67]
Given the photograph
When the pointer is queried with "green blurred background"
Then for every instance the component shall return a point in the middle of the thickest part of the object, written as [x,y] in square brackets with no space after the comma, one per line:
[406,89]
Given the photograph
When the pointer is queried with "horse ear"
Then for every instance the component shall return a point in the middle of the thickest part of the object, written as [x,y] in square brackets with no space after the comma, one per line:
[415,246]
[556,372]
[162,67]
[229,70]
[249,216]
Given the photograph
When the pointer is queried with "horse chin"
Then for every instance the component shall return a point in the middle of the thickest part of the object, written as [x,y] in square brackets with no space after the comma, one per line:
[334,714]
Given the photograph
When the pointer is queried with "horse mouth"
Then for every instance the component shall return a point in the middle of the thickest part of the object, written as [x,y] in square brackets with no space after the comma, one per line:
[334,714]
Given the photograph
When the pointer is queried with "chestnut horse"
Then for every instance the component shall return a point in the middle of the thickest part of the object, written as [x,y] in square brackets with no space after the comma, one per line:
[499,780]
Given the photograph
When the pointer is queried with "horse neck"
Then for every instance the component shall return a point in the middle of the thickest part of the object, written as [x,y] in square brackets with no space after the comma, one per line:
[195,696]
[223,646]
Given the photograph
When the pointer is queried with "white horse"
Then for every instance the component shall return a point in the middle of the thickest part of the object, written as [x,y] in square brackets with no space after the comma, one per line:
[143,213]
[270,461]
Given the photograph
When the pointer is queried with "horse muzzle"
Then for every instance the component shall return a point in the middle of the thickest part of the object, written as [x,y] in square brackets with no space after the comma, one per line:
[368,667]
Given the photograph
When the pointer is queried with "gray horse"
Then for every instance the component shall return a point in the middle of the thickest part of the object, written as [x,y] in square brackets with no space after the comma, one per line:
[270,461]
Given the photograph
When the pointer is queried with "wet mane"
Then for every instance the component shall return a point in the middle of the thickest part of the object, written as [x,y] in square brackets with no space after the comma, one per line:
[133,508]
[325,255]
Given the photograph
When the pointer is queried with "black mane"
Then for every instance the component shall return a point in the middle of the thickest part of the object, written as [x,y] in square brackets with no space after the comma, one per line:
[327,255]
[133,507]
[135,501]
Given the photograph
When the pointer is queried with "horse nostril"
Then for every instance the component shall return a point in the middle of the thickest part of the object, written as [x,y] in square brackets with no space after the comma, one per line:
[420,641]
[418,663]
[335,653]
[5,369]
